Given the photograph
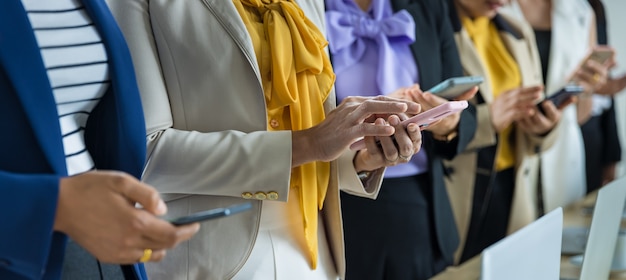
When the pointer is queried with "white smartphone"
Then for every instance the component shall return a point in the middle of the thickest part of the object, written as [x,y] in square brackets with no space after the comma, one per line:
[453,87]
[425,118]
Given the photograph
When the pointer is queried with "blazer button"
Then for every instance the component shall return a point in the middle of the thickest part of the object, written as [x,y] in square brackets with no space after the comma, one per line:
[260,196]
[272,195]
[246,195]
[274,123]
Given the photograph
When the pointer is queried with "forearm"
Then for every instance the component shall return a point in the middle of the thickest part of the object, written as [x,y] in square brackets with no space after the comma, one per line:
[226,163]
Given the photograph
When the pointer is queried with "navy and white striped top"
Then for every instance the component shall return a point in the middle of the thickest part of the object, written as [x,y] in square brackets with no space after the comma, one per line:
[77,67]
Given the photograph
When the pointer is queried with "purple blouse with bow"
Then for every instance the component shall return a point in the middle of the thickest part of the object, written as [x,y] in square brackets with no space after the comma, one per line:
[371,56]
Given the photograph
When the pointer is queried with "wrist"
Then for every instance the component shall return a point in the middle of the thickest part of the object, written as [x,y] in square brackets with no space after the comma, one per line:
[60,223]
[302,150]
[359,164]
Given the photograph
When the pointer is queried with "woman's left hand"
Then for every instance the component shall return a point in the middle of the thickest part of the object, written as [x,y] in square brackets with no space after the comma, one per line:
[391,150]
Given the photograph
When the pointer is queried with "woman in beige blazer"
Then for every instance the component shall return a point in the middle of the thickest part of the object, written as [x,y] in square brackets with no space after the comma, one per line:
[213,142]
[488,201]
[567,28]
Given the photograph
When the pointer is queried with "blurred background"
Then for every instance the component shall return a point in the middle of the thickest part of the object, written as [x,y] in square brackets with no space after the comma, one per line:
[616,19]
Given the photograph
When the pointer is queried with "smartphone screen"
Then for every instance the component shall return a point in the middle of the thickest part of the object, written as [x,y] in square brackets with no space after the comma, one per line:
[211,214]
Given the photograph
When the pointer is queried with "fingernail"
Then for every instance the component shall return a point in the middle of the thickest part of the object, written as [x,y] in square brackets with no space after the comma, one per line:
[393,120]
[196,229]
[161,208]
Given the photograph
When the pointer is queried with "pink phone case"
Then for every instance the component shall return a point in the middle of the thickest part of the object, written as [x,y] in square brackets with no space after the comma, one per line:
[426,118]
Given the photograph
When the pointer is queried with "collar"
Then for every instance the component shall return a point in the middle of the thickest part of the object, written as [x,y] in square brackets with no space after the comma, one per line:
[500,22]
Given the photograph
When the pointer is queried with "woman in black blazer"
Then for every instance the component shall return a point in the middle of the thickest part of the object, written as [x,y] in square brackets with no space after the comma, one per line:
[408,232]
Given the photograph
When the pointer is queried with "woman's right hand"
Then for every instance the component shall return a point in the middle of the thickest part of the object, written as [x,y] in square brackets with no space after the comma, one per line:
[97,210]
[352,119]
[513,105]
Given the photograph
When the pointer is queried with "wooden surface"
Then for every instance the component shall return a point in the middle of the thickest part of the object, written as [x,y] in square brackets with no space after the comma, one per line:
[576,214]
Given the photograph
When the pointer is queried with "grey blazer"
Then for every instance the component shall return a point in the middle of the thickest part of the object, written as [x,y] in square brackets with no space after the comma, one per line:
[208,144]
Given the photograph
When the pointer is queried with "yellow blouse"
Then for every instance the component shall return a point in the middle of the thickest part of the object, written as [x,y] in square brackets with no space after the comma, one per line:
[297,77]
[502,72]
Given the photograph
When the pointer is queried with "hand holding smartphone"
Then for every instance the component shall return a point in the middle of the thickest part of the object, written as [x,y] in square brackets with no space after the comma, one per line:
[453,87]
[211,214]
[425,118]
[561,96]
[600,54]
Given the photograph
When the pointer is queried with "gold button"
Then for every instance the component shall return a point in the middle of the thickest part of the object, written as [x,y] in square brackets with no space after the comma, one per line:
[274,123]
[260,196]
[272,195]
[246,195]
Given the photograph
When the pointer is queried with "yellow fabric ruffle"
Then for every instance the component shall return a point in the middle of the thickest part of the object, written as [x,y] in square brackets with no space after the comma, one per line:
[503,74]
[297,78]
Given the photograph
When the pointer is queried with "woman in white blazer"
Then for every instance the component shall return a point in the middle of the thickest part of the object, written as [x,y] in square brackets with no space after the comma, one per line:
[213,141]
[571,36]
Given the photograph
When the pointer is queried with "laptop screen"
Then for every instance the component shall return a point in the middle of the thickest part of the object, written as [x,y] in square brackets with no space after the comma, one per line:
[605,223]
[533,252]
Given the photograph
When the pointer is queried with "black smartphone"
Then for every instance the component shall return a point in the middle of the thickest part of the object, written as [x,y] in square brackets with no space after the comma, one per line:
[563,94]
[453,87]
[211,214]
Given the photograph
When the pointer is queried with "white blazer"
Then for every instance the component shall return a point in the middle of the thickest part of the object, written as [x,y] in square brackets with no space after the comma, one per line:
[563,165]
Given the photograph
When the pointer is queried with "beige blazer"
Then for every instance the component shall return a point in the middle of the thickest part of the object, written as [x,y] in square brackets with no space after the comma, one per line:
[208,144]
[563,170]
[460,182]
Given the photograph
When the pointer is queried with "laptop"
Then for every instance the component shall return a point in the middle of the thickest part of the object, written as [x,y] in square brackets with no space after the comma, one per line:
[533,252]
[602,236]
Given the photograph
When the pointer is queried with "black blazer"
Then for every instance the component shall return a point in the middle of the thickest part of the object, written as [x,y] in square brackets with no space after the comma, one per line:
[437,59]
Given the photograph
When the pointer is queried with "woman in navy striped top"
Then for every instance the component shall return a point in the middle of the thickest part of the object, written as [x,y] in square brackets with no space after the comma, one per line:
[70,109]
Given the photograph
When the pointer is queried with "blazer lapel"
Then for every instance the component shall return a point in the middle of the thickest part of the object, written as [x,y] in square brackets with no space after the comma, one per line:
[227,14]
[519,49]
[22,61]
[420,54]
[472,65]
[127,136]
[568,19]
